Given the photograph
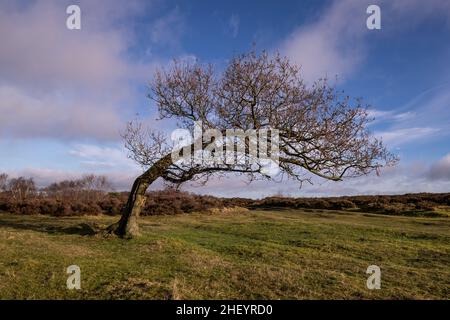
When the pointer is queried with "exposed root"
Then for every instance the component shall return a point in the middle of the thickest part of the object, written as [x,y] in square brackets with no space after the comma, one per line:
[112,230]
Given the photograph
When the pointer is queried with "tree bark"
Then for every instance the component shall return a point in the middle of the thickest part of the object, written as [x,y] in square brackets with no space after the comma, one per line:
[128,227]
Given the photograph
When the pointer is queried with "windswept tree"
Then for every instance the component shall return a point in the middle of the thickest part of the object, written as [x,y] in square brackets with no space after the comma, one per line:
[311,130]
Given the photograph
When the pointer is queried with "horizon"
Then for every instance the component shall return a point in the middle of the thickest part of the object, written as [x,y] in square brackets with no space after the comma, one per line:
[65,95]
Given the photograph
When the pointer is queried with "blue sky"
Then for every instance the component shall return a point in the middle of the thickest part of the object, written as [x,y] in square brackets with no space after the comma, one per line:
[65,95]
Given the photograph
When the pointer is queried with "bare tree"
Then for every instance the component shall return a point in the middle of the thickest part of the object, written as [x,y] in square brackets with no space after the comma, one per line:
[22,188]
[94,186]
[3,182]
[92,182]
[88,188]
[320,132]
[66,189]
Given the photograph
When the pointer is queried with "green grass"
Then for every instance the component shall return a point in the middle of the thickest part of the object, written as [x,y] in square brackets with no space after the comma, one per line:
[289,254]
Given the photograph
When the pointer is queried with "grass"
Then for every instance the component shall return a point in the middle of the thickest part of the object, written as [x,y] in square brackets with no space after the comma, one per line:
[289,254]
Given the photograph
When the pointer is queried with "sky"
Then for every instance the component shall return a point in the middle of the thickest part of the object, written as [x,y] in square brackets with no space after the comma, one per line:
[66,95]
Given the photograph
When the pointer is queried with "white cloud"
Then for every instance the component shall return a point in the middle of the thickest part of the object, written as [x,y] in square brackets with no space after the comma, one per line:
[49,115]
[397,137]
[98,157]
[403,178]
[381,115]
[440,170]
[70,84]
[38,50]
[168,29]
[330,46]
[426,116]
[233,25]
[335,44]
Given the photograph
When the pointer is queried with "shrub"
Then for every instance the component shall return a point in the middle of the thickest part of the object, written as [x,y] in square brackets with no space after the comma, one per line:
[57,200]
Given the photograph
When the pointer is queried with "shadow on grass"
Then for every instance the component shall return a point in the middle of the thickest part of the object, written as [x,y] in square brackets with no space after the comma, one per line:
[83,229]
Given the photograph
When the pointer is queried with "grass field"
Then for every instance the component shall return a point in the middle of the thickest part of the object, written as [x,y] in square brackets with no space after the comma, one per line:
[288,254]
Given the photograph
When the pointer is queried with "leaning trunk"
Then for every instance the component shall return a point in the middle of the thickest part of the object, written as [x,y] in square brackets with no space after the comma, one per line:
[127,226]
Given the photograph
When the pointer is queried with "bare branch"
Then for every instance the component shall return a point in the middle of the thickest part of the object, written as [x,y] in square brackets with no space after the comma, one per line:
[144,146]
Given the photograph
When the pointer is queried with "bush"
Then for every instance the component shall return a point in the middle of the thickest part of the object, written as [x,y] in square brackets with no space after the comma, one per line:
[169,202]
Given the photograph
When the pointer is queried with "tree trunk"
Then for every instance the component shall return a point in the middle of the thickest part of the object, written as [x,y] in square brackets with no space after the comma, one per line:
[127,226]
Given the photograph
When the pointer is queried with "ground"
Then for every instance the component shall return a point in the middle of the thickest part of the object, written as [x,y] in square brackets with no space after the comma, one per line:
[289,254]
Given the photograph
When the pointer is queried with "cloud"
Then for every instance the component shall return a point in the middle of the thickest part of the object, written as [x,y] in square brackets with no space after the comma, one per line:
[54,80]
[381,115]
[101,157]
[402,136]
[48,115]
[440,170]
[336,42]
[403,178]
[330,46]
[168,29]
[39,51]
[233,25]
[63,84]
[426,116]
[416,11]
[71,84]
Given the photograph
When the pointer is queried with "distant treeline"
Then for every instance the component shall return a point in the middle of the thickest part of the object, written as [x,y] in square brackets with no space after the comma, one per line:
[93,195]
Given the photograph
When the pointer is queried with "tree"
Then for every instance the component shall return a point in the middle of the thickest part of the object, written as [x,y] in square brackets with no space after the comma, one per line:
[88,188]
[22,188]
[94,186]
[311,130]
[3,182]
[66,189]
